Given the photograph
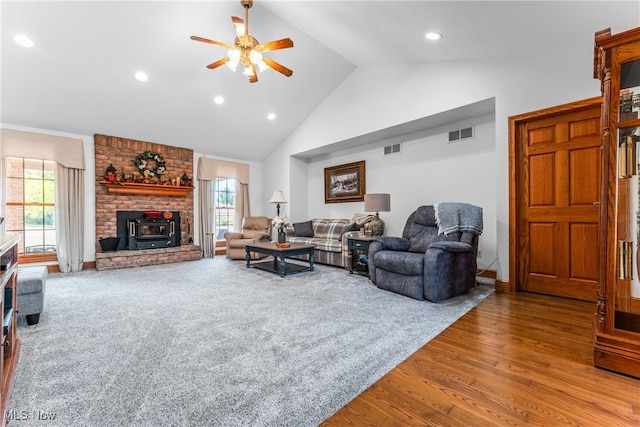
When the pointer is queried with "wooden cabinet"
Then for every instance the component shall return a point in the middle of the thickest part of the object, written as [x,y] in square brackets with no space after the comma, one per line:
[617,319]
[9,343]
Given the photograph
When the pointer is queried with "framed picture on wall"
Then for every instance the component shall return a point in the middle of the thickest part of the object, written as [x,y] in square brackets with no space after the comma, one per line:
[344,183]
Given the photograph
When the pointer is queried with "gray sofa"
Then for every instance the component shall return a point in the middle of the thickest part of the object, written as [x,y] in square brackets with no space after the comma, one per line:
[329,236]
[435,259]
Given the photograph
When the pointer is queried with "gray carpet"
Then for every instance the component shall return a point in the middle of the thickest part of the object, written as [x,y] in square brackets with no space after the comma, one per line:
[211,343]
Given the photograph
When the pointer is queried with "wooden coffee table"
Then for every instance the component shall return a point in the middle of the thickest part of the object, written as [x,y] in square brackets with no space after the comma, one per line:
[283,268]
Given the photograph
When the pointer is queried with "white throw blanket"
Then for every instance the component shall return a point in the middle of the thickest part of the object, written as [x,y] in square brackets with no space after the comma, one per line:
[454,217]
[362,218]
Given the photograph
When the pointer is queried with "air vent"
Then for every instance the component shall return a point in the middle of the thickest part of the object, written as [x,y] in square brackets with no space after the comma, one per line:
[457,135]
[392,149]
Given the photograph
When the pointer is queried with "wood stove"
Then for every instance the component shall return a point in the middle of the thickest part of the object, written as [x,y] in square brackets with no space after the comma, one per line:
[151,233]
[136,231]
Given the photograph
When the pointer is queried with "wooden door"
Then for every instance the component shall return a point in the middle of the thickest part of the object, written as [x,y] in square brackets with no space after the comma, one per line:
[557,183]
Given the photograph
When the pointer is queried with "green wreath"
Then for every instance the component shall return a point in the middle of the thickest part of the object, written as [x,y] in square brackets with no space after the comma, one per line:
[141,163]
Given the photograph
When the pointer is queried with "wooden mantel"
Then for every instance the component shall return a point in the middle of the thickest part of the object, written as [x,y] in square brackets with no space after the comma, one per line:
[148,189]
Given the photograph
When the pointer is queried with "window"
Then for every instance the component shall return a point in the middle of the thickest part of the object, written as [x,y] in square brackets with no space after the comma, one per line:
[30,200]
[225,197]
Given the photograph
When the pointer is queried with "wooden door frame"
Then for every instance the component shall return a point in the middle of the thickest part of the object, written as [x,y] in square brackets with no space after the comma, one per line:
[516,140]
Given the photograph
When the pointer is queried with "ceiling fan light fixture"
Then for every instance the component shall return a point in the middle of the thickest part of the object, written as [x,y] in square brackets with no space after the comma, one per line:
[255,57]
[248,71]
[262,66]
[246,50]
[234,54]
[234,59]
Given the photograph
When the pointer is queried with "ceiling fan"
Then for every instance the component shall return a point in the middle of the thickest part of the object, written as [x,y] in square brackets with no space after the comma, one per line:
[246,50]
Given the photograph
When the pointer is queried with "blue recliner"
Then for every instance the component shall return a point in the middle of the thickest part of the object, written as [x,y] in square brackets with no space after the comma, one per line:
[435,259]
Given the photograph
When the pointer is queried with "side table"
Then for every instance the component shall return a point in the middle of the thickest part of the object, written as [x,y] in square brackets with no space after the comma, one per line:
[356,246]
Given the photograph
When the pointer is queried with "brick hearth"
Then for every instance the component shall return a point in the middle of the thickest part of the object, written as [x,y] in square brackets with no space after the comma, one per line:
[121,152]
[127,259]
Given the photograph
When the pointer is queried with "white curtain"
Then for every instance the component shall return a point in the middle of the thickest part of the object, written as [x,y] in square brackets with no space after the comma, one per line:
[207,239]
[69,218]
[242,203]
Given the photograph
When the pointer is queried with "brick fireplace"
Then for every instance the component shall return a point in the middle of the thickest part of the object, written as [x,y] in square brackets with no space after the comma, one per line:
[122,197]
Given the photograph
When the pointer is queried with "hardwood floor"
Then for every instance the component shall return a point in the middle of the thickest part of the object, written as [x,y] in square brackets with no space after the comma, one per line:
[515,359]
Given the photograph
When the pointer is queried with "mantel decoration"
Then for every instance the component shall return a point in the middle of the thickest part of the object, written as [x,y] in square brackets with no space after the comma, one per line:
[149,177]
[344,183]
[281,222]
[111,175]
[150,164]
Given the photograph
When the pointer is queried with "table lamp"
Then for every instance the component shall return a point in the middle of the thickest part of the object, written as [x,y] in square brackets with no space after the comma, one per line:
[278,197]
[377,202]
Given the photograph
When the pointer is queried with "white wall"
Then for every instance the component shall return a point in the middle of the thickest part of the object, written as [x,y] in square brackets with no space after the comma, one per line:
[374,98]
[428,170]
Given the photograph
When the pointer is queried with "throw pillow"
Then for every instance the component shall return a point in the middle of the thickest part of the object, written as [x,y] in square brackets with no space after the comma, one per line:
[303,229]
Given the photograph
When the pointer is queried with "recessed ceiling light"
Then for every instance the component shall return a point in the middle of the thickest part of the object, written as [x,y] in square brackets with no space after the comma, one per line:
[433,36]
[271,116]
[23,40]
[141,76]
[218,100]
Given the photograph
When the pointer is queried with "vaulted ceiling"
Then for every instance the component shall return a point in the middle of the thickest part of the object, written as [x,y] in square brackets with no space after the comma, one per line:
[79,76]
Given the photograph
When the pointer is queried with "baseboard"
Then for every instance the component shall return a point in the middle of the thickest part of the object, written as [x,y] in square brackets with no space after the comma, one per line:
[55,268]
[490,274]
[502,286]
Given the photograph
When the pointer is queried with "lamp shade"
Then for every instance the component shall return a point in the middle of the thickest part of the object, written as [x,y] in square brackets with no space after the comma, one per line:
[377,202]
[278,197]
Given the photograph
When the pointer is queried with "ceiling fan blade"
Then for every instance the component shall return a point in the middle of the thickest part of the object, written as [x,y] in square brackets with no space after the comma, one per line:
[218,63]
[278,67]
[275,45]
[201,39]
[254,77]
[238,24]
